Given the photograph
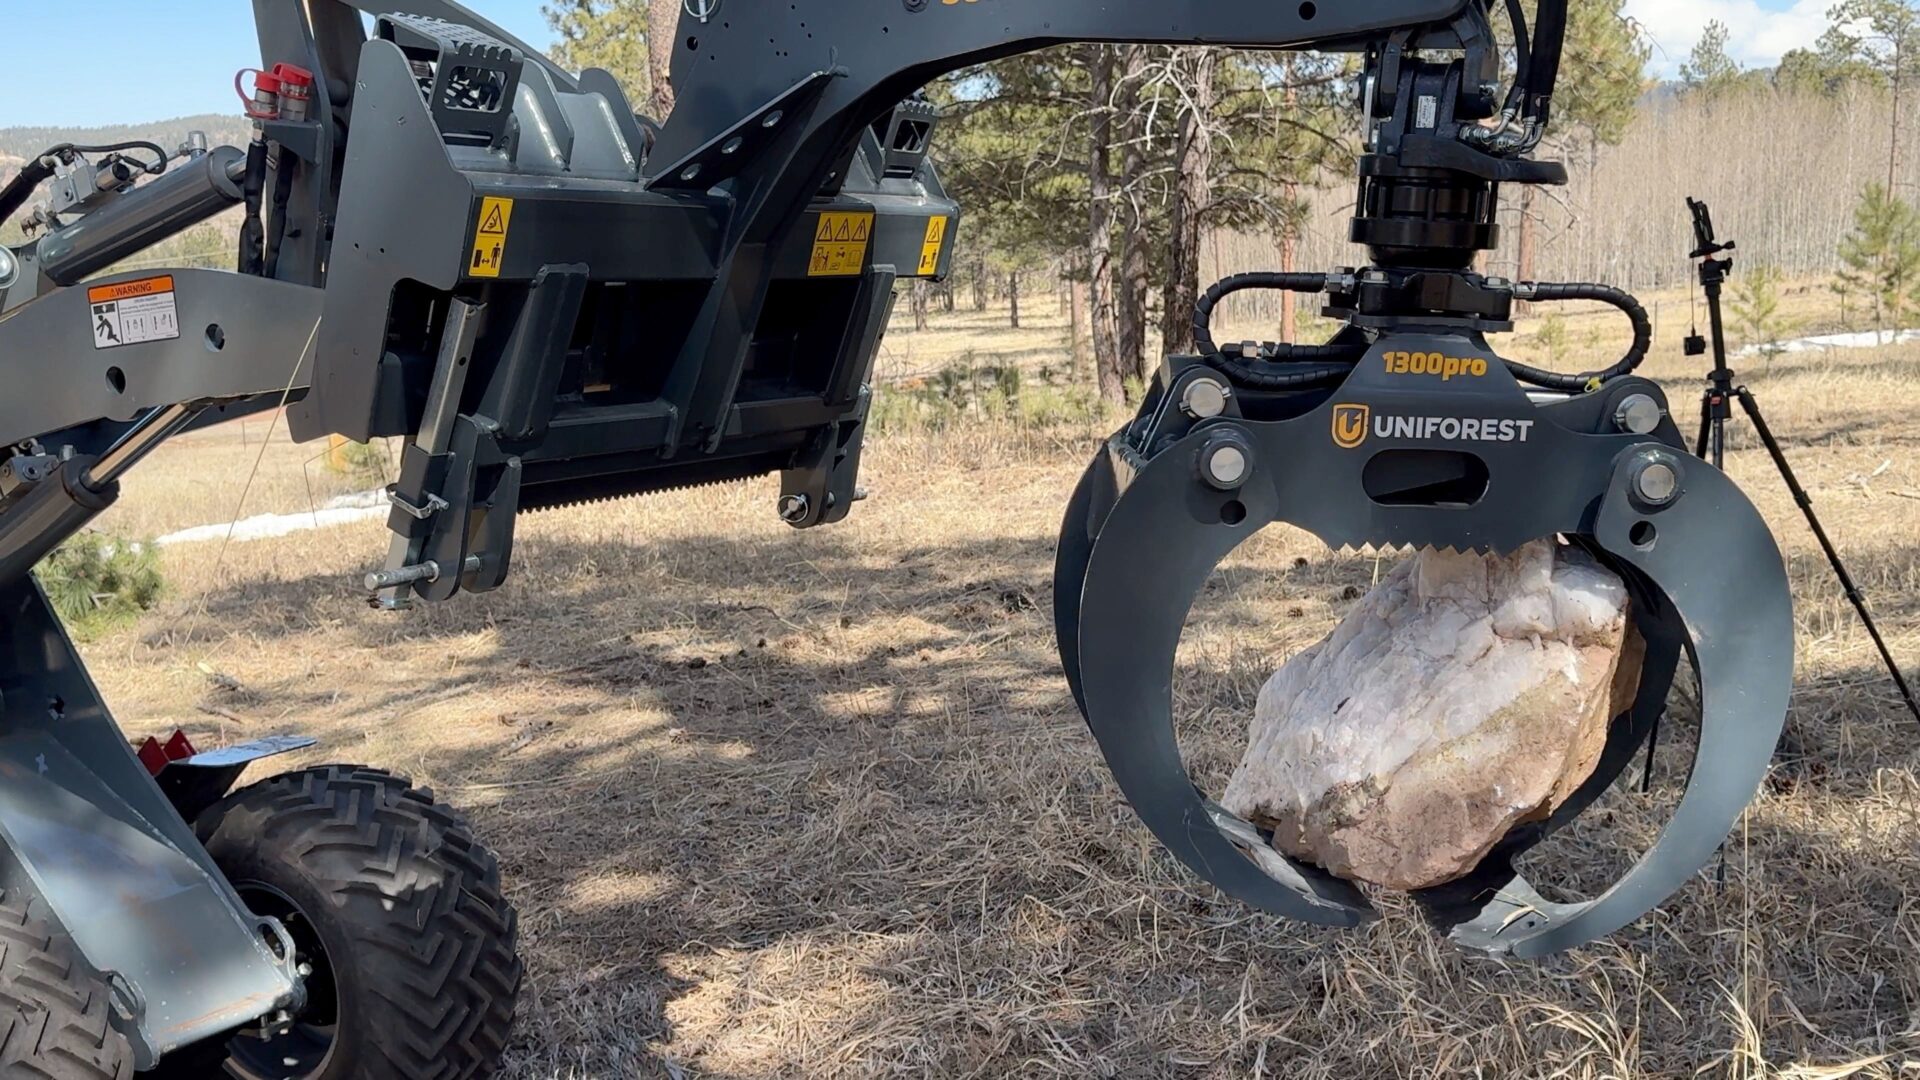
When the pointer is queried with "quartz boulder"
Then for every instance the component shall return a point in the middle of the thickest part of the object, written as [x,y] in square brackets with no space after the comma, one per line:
[1465,695]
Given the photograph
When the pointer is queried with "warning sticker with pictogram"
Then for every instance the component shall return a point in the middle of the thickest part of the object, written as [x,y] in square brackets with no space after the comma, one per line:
[490,237]
[930,251]
[840,244]
[133,312]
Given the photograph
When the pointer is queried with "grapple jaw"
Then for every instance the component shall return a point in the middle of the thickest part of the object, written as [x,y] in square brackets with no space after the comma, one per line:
[1471,463]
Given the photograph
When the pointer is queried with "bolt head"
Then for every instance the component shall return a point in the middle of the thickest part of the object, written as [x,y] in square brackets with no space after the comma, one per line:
[793,508]
[1204,399]
[1226,465]
[1657,482]
[1638,414]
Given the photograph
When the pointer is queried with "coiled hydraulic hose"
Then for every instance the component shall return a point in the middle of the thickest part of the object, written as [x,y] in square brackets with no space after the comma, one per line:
[1605,294]
[1280,367]
[1300,283]
[1297,367]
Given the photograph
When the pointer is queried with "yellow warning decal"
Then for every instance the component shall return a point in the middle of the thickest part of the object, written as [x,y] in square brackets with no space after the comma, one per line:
[840,244]
[490,237]
[930,251]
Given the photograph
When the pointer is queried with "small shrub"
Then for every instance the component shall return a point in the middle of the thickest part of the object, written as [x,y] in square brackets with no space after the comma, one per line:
[1051,406]
[1552,336]
[1756,309]
[97,582]
[365,460]
[971,391]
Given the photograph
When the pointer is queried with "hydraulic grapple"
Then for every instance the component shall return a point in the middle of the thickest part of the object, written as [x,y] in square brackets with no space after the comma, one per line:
[451,240]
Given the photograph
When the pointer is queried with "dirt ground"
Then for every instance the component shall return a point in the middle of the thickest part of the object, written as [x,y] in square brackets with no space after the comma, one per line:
[808,805]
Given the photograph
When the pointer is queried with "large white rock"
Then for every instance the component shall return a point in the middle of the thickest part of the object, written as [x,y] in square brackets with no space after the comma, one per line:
[1466,694]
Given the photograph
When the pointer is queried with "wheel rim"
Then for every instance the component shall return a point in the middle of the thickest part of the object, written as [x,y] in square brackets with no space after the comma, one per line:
[305,1047]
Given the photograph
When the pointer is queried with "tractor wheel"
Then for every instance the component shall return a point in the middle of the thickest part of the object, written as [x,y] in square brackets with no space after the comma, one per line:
[54,1011]
[396,915]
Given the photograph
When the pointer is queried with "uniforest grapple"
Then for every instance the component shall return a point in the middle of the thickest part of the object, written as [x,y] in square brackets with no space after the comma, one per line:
[452,240]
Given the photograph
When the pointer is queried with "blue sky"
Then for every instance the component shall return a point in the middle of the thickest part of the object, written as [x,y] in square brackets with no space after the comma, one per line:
[177,57]
[167,58]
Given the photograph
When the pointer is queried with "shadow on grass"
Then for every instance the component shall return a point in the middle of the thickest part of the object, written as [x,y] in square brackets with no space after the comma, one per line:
[852,806]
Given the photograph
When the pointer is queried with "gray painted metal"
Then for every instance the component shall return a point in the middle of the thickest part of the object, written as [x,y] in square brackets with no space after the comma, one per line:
[263,329]
[186,194]
[886,50]
[248,752]
[87,828]
[1144,532]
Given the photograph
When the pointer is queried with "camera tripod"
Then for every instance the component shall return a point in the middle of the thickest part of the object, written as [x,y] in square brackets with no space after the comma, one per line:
[1716,408]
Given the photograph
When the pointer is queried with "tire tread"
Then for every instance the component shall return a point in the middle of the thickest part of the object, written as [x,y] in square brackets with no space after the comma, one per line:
[434,933]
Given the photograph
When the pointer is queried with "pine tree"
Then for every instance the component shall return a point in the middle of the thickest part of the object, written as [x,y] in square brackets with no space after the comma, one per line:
[1882,254]
[1710,69]
[1603,73]
[613,34]
[1756,308]
[1881,37]
[610,34]
[1602,78]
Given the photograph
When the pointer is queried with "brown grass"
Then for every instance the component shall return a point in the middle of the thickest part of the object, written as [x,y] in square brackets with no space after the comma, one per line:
[783,805]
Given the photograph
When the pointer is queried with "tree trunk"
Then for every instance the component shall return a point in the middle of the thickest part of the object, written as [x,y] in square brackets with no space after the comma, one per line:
[1893,131]
[663,24]
[1290,234]
[1111,377]
[1076,303]
[1523,265]
[1013,298]
[1130,299]
[946,296]
[917,299]
[980,283]
[1192,195]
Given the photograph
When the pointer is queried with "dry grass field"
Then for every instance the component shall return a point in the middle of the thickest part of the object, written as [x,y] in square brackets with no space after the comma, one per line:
[818,805]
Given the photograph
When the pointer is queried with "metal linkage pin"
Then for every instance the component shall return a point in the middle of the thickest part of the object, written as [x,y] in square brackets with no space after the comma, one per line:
[408,575]
[1657,481]
[1204,399]
[1638,414]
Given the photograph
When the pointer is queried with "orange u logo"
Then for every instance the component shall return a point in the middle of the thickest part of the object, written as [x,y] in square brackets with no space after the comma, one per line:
[1350,425]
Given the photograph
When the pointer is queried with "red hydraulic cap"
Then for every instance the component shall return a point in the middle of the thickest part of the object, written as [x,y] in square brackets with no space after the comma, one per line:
[153,756]
[156,755]
[179,748]
[292,76]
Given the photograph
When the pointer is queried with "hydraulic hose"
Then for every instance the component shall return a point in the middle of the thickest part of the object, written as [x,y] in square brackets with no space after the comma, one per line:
[19,189]
[1279,366]
[1605,294]
[40,170]
[1286,375]
[1297,367]
[1203,308]
[253,231]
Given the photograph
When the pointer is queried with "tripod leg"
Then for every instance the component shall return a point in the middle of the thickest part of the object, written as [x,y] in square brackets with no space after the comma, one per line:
[1800,496]
[1706,424]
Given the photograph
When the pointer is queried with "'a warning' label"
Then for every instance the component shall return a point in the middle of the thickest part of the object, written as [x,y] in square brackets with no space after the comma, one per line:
[133,312]
[490,237]
[930,251]
[840,244]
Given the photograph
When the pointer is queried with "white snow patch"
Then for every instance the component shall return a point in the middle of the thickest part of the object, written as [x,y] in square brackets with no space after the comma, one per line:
[1865,339]
[344,510]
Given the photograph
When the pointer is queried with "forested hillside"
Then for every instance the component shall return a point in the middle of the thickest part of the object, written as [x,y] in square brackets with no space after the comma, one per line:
[1128,177]
[17,143]
[1133,175]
